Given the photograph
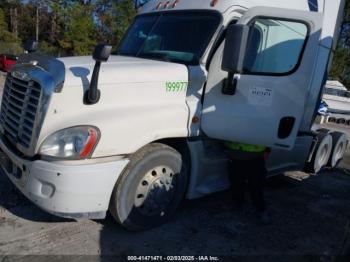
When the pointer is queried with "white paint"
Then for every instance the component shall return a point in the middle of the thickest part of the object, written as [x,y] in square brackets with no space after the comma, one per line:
[135,108]
[252,118]
[73,188]
[224,5]
[260,96]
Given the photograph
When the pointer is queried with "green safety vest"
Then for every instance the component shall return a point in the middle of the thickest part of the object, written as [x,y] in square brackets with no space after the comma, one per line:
[245,147]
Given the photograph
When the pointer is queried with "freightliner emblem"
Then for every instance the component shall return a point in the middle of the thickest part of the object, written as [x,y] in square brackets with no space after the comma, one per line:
[20,75]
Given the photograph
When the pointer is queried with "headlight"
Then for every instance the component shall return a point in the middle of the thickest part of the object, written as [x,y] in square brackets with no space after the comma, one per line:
[73,143]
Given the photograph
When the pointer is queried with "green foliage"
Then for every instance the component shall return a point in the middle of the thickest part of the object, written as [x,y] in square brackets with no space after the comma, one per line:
[65,27]
[125,11]
[8,42]
[114,18]
[346,26]
[340,68]
[10,48]
[3,24]
[47,48]
[78,38]
[341,60]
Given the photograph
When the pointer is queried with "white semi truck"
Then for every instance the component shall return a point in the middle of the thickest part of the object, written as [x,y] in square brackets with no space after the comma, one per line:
[137,133]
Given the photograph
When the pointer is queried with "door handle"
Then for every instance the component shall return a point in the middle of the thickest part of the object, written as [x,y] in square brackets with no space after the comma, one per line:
[286,127]
[229,85]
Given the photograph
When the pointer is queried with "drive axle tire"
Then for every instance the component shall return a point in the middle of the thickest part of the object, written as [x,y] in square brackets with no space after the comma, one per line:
[150,188]
[341,121]
[338,149]
[321,153]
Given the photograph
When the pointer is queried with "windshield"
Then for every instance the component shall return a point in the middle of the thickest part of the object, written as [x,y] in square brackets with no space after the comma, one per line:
[176,37]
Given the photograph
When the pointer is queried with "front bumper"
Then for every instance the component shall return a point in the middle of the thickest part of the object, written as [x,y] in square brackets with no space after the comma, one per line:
[73,189]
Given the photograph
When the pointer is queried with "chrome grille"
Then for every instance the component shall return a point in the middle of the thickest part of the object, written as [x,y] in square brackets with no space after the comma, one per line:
[19,108]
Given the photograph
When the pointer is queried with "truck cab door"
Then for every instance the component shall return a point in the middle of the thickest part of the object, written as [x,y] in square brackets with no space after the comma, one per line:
[274,51]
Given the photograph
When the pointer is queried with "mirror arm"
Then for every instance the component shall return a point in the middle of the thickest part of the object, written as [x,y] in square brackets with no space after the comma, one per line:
[101,54]
[229,86]
[93,94]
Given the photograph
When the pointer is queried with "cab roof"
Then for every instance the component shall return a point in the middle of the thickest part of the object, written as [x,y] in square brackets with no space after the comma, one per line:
[223,5]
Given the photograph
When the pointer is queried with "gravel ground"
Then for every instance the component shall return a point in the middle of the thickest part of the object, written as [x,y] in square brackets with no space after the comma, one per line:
[310,217]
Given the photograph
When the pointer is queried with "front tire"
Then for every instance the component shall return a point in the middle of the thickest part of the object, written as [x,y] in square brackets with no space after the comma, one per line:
[150,189]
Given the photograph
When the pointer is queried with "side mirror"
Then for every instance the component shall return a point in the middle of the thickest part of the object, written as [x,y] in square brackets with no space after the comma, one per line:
[30,46]
[236,43]
[101,54]
[237,38]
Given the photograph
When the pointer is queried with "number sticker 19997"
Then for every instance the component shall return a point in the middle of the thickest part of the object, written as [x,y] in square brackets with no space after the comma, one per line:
[176,86]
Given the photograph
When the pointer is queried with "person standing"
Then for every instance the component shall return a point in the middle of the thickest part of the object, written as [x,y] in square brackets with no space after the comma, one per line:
[247,170]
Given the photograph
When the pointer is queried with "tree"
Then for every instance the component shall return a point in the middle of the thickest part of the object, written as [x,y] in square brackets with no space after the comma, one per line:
[40,6]
[345,35]
[105,22]
[113,19]
[78,38]
[341,62]
[125,12]
[9,43]
[13,6]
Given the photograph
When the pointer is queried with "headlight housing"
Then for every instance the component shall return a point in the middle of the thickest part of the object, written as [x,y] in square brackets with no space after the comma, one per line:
[71,143]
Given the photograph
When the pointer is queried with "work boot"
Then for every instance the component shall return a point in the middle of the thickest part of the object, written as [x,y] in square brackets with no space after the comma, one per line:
[264,217]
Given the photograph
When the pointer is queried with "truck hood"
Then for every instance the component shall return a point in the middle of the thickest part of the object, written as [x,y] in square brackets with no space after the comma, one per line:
[141,101]
[121,69]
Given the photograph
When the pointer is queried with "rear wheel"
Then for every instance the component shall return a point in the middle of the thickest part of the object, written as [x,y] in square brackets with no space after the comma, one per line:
[321,154]
[338,150]
[332,120]
[150,189]
[341,121]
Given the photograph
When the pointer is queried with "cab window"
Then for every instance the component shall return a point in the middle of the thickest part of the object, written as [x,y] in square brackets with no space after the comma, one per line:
[276,46]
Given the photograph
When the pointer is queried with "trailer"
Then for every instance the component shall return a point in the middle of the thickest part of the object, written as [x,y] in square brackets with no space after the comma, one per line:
[137,131]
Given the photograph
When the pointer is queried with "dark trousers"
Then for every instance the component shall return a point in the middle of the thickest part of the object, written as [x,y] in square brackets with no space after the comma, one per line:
[248,174]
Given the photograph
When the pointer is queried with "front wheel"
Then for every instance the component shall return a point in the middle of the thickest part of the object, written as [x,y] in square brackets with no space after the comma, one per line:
[150,189]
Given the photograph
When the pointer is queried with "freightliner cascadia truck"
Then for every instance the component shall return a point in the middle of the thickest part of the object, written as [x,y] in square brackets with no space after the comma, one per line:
[136,131]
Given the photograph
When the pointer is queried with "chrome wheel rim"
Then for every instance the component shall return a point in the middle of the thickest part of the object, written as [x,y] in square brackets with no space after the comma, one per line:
[323,156]
[155,191]
[338,154]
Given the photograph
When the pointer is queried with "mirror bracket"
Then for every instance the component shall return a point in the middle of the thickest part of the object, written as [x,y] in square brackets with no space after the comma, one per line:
[229,85]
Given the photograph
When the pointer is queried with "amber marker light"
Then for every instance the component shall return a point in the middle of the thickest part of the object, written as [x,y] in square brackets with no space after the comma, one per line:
[213,3]
[90,143]
[195,120]
[166,5]
[159,5]
[175,3]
